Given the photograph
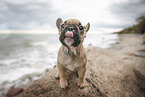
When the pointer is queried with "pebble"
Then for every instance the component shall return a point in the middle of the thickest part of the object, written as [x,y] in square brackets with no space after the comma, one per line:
[14,92]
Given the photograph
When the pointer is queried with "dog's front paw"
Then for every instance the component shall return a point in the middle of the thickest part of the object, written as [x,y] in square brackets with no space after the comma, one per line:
[81,84]
[57,76]
[63,83]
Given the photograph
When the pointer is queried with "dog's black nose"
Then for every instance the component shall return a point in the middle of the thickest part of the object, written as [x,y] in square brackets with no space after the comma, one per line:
[70,28]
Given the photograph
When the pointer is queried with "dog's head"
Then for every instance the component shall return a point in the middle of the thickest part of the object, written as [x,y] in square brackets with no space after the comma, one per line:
[71,32]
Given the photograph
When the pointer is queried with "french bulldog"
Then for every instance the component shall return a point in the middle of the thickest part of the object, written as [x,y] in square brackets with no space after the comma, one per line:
[71,55]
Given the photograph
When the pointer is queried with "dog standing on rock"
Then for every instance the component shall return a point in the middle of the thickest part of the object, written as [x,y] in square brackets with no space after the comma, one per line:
[71,55]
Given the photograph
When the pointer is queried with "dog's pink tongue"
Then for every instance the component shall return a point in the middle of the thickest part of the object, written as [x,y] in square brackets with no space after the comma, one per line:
[69,34]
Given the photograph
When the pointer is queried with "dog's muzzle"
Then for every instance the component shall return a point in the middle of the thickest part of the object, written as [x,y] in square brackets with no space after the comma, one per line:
[70,32]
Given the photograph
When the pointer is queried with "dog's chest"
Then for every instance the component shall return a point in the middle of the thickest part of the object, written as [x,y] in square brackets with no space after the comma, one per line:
[71,60]
[72,67]
[71,64]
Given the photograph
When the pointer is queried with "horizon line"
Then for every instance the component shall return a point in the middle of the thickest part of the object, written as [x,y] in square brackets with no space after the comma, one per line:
[27,32]
[42,32]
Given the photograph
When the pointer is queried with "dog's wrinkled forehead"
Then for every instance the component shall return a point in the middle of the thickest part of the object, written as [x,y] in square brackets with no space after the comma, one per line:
[72,22]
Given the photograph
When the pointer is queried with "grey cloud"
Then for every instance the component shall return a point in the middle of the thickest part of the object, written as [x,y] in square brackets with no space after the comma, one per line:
[128,11]
[22,14]
[17,16]
[125,13]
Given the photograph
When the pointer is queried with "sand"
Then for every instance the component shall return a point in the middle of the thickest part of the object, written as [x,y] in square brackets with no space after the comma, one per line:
[131,49]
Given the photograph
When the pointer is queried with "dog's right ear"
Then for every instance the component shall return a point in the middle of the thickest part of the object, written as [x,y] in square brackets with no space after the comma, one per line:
[58,23]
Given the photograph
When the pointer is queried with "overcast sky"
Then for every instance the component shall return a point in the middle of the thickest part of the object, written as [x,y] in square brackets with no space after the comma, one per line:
[103,15]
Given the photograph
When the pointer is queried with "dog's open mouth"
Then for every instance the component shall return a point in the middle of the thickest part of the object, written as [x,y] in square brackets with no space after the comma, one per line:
[69,34]
[70,39]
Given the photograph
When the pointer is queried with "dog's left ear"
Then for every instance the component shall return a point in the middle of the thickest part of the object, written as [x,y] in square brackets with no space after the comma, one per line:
[58,23]
[87,27]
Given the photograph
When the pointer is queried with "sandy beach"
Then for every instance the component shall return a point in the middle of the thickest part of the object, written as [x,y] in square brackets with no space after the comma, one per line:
[130,48]
[110,72]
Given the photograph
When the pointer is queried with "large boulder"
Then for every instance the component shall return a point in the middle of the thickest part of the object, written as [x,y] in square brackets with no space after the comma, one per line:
[107,75]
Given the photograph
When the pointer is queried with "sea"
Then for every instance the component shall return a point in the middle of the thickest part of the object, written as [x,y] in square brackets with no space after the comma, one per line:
[26,57]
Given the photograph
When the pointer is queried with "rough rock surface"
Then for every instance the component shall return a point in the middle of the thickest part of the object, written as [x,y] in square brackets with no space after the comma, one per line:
[108,74]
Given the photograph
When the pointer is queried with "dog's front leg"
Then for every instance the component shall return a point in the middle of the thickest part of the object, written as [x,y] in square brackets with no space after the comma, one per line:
[63,80]
[81,73]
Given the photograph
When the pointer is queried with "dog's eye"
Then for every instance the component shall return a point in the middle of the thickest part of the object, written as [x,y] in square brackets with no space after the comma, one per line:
[81,27]
[62,26]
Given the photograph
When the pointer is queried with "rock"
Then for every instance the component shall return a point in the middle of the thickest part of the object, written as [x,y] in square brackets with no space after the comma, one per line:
[139,55]
[14,92]
[141,80]
[131,54]
[46,70]
[143,41]
[106,75]
[89,44]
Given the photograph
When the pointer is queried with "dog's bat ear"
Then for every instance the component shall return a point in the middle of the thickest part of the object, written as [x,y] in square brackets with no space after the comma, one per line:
[58,23]
[87,27]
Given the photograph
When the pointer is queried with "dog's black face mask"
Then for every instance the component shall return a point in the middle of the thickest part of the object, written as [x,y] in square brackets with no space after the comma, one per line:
[71,31]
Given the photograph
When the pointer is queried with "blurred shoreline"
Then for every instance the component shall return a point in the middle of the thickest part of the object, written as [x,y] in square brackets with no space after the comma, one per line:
[52,31]
[131,48]
[28,32]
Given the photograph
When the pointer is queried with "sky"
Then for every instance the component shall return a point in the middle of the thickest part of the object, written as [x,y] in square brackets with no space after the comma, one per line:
[105,16]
